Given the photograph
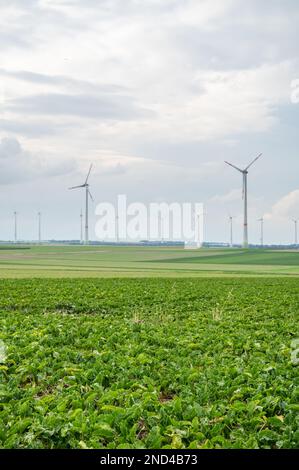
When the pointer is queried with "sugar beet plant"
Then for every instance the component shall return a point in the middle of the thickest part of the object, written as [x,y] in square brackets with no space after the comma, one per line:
[148,363]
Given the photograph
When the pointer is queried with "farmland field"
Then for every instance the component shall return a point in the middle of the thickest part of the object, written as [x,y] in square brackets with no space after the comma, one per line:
[139,362]
[111,261]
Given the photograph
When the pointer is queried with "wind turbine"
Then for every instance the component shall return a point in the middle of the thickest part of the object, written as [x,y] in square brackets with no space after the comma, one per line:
[39,214]
[199,241]
[261,220]
[87,195]
[161,227]
[231,217]
[245,173]
[16,225]
[117,225]
[81,227]
[296,230]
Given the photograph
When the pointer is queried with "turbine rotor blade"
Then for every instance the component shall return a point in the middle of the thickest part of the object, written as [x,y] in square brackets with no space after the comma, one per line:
[88,173]
[80,186]
[253,161]
[235,167]
[90,195]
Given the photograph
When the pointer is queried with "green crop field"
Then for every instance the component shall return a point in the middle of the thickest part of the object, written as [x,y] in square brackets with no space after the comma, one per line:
[105,347]
[111,261]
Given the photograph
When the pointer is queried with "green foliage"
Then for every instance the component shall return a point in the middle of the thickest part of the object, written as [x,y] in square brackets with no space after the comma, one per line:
[145,363]
[252,257]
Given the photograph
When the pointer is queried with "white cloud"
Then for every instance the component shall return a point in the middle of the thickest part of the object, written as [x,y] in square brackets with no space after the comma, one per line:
[204,13]
[18,165]
[138,48]
[232,196]
[285,208]
[215,75]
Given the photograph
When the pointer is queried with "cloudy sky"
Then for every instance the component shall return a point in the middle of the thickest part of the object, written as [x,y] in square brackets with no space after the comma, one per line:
[157,94]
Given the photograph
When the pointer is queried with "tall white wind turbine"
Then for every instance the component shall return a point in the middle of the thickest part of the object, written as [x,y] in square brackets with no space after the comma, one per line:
[245,173]
[87,196]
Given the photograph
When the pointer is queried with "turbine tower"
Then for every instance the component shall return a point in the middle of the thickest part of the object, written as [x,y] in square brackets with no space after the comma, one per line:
[117,225]
[199,226]
[81,227]
[87,195]
[16,225]
[39,214]
[296,230]
[199,241]
[161,223]
[231,230]
[261,220]
[245,173]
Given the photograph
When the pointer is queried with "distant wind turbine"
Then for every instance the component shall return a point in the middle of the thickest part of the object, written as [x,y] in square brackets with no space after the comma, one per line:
[231,217]
[296,230]
[261,220]
[16,225]
[117,225]
[87,195]
[81,227]
[161,224]
[245,173]
[39,214]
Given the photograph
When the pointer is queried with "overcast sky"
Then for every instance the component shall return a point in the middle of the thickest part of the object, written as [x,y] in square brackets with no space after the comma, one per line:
[157,94]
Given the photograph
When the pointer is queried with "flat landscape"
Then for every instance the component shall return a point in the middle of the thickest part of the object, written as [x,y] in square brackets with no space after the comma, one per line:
[148,348]
[111,261]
